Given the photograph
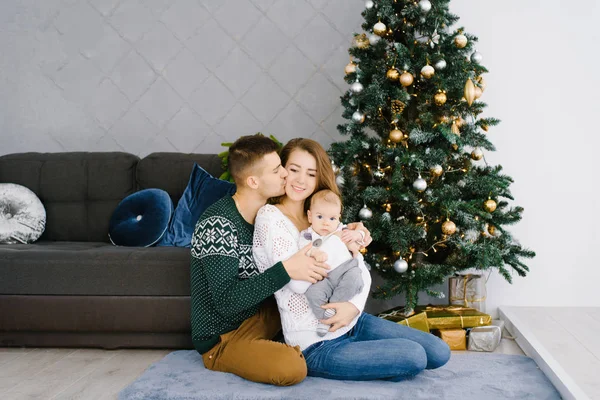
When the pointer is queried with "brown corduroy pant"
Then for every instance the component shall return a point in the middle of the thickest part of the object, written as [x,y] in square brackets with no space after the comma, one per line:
[250,353]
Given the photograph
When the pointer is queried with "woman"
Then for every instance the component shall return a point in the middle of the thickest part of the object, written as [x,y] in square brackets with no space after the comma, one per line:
[359,346]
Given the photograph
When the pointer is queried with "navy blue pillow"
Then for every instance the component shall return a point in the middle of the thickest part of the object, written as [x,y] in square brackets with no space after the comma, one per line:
[202,191]
[141,219]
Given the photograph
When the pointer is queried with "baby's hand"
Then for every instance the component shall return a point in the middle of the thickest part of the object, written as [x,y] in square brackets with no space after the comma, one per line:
[354,248]
[349,236]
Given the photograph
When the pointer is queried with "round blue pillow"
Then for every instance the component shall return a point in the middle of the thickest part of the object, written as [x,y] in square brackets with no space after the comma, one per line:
[141,219]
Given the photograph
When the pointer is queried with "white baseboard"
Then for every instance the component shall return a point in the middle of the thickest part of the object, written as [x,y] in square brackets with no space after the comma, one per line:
[565,385]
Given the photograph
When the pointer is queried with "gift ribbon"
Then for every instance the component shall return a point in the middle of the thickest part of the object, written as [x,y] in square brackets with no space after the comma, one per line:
[466,280]
[395,313]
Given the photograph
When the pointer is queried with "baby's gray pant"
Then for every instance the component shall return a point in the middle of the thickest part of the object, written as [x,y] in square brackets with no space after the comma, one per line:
[341,284]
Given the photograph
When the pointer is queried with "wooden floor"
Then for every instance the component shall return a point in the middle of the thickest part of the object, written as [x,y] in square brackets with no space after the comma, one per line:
[87,373]
[565,343]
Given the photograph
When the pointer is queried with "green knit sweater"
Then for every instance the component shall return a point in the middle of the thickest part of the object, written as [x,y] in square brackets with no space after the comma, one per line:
[226,286]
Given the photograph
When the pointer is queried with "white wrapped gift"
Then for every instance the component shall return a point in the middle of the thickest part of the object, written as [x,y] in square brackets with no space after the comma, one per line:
[484,338]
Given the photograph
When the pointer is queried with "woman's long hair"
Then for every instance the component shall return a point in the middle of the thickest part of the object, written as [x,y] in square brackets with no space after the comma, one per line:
[325,175]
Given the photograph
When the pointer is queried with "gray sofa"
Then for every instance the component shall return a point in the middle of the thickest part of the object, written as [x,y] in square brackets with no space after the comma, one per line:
[72,288]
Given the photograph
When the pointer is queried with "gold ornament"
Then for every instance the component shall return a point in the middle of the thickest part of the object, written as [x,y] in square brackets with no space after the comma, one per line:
[490,205]
[481,82]
[477,154]
[484,127]
[469,91]
[478,92]
[406,79]
[392,74]
[440,98]
[427,72]
[350,68]
[460,41]
[398,106]
[444,119]
[396,135]
[460,121]
[363,251]
[379,29]
[448,227]
[454,146]
[437,170]
[361,41]
[455,128]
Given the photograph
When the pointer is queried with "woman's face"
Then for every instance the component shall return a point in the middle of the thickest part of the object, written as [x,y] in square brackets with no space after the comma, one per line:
[302,175]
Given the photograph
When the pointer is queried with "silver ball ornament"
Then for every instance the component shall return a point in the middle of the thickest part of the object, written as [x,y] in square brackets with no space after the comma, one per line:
[440,64]
[386,216]
[339,180]
[356,87]
[379,174]
[425,5]
[365,213]
[400,266]
[420,184]
[358,117]
[476,58]
[369,4]
[335,168]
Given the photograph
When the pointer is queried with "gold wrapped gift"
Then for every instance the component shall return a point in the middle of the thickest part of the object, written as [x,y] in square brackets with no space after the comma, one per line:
[468,291]
[449,317]
[455,338]
[416,321]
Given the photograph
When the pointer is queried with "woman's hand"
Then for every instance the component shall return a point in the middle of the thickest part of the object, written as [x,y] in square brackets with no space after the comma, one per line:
[344,314]
[358,226]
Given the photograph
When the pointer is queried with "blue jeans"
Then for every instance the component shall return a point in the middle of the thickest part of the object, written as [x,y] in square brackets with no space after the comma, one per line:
[376,349]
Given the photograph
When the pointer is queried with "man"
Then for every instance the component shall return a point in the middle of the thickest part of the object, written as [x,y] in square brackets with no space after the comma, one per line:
[234,315]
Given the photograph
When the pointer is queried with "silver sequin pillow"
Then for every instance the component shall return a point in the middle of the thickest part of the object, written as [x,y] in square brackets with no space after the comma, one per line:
[22,215]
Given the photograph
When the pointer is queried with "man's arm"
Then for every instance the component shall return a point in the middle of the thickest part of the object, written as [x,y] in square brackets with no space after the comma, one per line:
[219,259]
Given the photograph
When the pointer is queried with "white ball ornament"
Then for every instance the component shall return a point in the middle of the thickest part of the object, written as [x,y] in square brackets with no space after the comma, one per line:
[365,213]
[358,117]
[369,4]
[400,266]
[420,184]
[425,5]
[356,87]
[476,58]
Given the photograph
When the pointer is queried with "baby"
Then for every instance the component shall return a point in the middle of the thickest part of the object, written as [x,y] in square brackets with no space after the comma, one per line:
[344,279]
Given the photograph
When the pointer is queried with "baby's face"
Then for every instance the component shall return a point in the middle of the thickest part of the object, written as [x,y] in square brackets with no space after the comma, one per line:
[324,217]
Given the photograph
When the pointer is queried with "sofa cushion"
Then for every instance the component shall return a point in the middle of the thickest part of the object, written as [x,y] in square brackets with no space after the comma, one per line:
[141,219]
[22,214]
[79,190]
[202,191]
[171,171]
[93,268]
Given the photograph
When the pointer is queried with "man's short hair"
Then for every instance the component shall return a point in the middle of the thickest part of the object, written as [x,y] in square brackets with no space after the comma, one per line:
[246,152]
[326,195]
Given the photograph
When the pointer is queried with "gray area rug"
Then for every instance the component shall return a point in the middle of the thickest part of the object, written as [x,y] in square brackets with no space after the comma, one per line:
[181,376]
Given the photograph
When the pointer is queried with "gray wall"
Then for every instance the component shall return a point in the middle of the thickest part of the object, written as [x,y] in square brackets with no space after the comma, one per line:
[170,75]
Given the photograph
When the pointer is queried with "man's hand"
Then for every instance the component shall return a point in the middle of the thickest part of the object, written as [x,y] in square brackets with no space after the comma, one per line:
[304,268]
[358,226]
[344,314]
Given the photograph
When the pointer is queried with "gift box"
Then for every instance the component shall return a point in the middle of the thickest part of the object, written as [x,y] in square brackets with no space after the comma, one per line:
[451,317]
[416,321]
[456,339]
[467,291]
[484,338]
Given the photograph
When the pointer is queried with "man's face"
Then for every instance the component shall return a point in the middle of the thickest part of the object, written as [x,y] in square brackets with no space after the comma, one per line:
[324,217]
[271,176]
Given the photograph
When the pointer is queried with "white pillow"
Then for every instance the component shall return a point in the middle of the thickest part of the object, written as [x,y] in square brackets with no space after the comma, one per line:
[22,215]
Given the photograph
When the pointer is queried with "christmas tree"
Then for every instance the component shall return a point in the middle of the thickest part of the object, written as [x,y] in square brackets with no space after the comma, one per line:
[413,168]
